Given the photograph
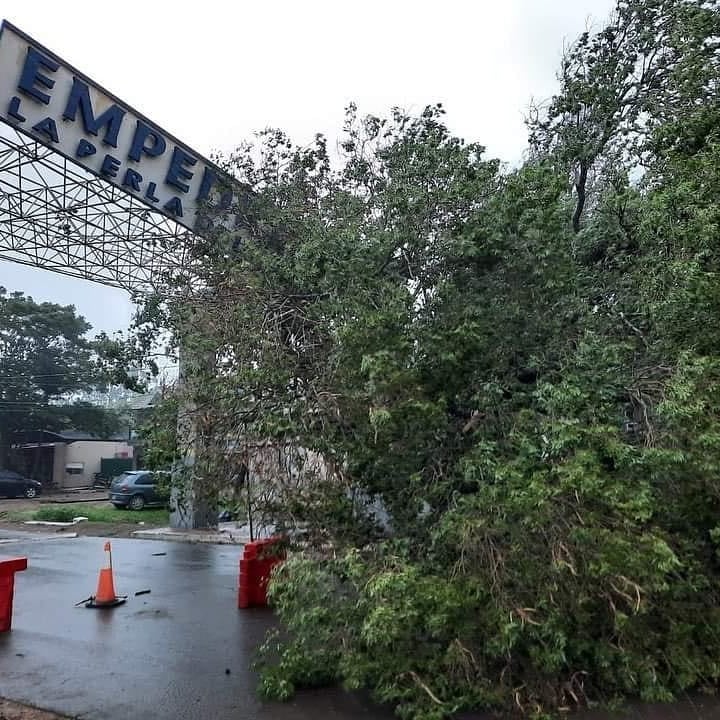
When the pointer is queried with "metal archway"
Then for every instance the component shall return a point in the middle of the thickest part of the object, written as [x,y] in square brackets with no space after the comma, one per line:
[57,216]
[92,189]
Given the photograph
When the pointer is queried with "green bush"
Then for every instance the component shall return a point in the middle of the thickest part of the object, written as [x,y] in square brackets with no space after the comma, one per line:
[57,514]
[102,514]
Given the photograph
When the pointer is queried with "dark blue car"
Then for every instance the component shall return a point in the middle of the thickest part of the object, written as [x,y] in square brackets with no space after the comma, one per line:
[13,484]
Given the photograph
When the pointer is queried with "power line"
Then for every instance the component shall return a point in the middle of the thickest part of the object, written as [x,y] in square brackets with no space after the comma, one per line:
[4,411]
[39,403]
[67,373]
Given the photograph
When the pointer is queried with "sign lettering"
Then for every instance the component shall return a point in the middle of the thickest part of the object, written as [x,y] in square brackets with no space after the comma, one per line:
[45,97]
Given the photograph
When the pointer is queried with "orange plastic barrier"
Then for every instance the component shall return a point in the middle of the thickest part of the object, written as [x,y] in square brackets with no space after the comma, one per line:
[8,568]
[258,560]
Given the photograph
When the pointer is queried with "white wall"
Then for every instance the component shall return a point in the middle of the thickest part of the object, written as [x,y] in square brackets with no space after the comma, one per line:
[89,453]
[59,463]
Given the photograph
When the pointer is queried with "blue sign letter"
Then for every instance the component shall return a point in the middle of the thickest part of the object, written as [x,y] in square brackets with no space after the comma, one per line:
[177,170]
[139,145]
[174,206]
[31,76]
[47,127]
[208,181]
[14,110]
[111,119]
[150,192]
[132,180]
[110,166]
[84,149]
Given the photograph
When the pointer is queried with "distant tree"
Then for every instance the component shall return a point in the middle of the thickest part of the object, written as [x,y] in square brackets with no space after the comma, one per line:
[158,434]
[45,356]
[621,85]
[99,421]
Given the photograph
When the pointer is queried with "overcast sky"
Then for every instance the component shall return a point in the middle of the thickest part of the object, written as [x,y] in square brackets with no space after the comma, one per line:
[214,72]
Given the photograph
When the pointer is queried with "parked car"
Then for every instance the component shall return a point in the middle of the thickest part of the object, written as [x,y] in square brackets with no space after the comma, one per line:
[13,484]
[136,489]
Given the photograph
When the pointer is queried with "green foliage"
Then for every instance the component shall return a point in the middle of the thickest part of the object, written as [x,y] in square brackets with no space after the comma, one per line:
[158,435]
[521,370]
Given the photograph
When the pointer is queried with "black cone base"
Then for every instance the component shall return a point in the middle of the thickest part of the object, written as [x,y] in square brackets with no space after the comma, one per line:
[91,603]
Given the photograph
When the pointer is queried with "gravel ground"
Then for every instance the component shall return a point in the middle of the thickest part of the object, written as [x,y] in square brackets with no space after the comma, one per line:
[74,498]
[15,711]
[84,529]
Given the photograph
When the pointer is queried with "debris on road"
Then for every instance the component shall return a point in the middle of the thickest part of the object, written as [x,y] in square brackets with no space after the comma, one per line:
[57,523]
[142,592]
[158,554]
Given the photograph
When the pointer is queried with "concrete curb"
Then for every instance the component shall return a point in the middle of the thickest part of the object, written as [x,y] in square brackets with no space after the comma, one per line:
[221,537]
[26,537]
[228,533]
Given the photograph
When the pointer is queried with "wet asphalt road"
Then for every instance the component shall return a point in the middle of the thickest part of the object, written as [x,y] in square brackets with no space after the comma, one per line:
[162,655]
[165,655]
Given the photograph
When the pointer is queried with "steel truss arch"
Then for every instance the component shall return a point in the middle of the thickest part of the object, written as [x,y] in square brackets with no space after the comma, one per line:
[56,215]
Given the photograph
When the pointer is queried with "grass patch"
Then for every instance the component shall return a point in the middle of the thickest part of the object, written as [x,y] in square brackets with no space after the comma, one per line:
[16,516]
[99,514]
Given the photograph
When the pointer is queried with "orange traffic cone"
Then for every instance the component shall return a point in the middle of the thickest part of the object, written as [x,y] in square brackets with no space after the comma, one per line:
[105,596]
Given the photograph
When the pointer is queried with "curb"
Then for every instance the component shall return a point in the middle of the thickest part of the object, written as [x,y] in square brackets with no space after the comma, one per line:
[225,538]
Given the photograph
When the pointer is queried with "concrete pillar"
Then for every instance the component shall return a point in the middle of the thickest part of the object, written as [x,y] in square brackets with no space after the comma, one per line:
[193,500]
